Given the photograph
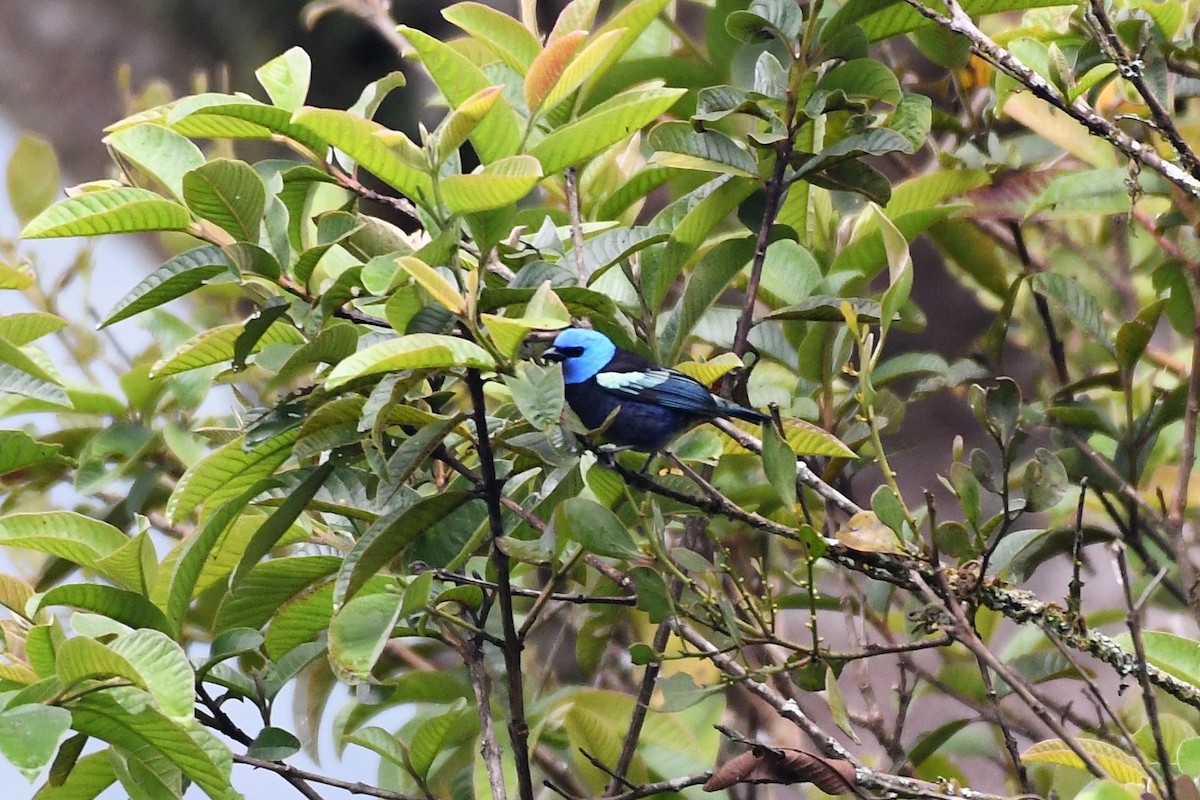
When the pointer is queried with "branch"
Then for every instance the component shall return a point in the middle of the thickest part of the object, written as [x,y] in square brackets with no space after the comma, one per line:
[983,46]
[1132,70]
[518,727]
[787,708]
[294,775]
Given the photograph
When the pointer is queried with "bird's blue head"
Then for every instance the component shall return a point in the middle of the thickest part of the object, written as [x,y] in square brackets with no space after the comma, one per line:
[582,352]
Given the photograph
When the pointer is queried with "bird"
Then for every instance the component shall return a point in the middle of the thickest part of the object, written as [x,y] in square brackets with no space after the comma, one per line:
[649,404]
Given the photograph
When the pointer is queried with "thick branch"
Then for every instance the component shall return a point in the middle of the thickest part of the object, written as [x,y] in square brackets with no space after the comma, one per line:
[518,727]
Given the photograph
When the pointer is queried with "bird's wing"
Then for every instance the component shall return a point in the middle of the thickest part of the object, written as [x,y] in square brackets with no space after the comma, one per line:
[662,387]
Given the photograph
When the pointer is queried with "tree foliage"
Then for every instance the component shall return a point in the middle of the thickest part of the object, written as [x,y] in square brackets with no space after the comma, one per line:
[402,504]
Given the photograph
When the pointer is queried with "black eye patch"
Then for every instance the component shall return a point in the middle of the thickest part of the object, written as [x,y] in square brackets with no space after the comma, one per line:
[571,352]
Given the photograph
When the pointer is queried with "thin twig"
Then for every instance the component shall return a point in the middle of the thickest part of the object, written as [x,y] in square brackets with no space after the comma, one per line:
[1134,620]
[295,774]
[560,597]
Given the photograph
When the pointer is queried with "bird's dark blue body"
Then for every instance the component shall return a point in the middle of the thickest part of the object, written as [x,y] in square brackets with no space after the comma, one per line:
[649,405]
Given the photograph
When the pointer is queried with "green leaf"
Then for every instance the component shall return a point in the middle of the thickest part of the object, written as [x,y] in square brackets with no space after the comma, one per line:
[1088,193]
[19,451]
[230,194]
[510,40]
[182,575]
[414,351]
[267,537]
[607,248]
[128,608]
[708,281]
[216,116]
[882,19]
[432,734]
[29,734]
[273,744]
[227,472]
[458,125]
[33,177]
[765,18]
[874,142]
[1133,336]
[217,345]
[1077,302]
[602,127]
[268,586]
[149,659]
[708,150]
[1046,481]
[779,463]
[912,118]
[538,394]
[151,737]
[509,334]
[179,276]
[366,142]
[500,183]
[286,78]
[596,528]
[158,151]
[88,777]
[691,232]
[632,21]
[863,78]
[837,705]
[29,326]
[63,534]
[388,538]
[121,210]
[359,632]
[587,65]
[375,92]
[499,134]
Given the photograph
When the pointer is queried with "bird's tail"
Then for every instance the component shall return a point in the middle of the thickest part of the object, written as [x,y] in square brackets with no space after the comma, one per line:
[729,409]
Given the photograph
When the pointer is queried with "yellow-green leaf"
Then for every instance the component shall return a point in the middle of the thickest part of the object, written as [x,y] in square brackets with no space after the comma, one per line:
[433,282]
[510,40]
[414,351]
[462,121]
[508,334]
[1120,766]
[501,183]
[499,134]
[709,372]
[216,346]
[227,472]
[601,127]
[121,210]
[364,141]
[582,67]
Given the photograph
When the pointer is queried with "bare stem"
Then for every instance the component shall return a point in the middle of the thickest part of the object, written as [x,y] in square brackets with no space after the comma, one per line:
[518,727]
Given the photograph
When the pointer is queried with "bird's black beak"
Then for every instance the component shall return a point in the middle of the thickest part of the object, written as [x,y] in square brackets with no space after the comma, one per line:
[553,354]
